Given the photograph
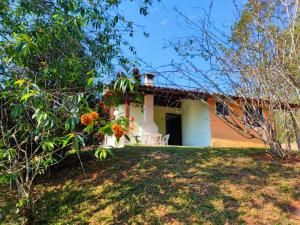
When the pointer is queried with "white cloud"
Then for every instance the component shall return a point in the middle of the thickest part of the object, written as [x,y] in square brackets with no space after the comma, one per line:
[164,22]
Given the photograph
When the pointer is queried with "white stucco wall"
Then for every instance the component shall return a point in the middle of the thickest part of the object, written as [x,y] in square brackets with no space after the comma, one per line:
[137,112]
[195,123]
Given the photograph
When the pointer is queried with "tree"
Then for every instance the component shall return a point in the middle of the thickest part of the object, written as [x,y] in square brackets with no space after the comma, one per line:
[54,57]
[274,22]
[257,61]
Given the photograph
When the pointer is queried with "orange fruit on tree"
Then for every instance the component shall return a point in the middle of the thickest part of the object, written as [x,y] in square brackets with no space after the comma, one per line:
[94,115]
[86,119]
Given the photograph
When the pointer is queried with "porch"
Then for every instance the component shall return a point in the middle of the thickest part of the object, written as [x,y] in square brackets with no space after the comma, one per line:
[168,116]
[183,121]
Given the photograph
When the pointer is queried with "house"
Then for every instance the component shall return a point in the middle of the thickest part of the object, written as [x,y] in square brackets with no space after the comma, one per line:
[191,118]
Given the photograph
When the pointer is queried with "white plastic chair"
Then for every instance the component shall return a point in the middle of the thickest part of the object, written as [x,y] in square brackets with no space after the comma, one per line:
[145,139]
[165,140]
[155,139]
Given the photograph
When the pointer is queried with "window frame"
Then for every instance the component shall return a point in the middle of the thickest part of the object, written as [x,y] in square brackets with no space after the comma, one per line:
[225,108]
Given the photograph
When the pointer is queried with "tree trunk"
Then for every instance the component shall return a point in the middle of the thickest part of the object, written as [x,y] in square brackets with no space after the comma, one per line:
[297,134]
[277,149]
[270,134]
[296,130]
[25,204]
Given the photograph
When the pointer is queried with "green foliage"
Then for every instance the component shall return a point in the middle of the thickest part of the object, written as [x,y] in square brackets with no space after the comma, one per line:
[54,55]
[101,153]
[65,42]
[267,36]
[33,131]
[125,84]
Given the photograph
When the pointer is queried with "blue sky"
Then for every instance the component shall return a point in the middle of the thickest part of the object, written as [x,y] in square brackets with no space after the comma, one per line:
[164,24]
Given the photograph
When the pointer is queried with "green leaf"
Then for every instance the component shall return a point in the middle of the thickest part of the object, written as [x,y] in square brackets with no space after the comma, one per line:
[89,128]
[131,86]
[90,81]
[101,153]
[67,139]
[16,111]
[6,178]
[67,124]
[75,145]
[20,82]
[116,85]
[127,137]
[10,154]
[81,140]
[70,123]
[139,98]
[1,154]
[25,97]
[55,16]
[110,151]
[106,129]
[36,113]
[42,118]
[48,145]
[21,47]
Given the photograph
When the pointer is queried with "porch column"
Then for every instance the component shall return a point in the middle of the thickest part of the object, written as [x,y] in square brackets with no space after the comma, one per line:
[149,125]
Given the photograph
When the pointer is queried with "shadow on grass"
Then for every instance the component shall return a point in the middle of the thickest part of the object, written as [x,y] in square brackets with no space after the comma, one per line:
[55,206]
[160,185]
[7,204]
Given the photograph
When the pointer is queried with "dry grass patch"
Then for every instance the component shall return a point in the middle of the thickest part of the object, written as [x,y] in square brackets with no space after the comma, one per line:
[170,186]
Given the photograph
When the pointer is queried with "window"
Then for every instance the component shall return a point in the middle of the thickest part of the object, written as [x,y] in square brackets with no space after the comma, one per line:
[222,109]
[253,116]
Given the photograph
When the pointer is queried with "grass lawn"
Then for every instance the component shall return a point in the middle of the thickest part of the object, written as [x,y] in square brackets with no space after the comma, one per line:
[169,186]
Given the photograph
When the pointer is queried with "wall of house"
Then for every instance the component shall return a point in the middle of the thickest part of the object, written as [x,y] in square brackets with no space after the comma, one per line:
[111,141]
[136,111]
[195,123]
[160,116]
[225,136]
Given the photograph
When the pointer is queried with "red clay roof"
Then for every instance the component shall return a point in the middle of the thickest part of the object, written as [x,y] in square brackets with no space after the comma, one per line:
[156,90]
[176,93]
